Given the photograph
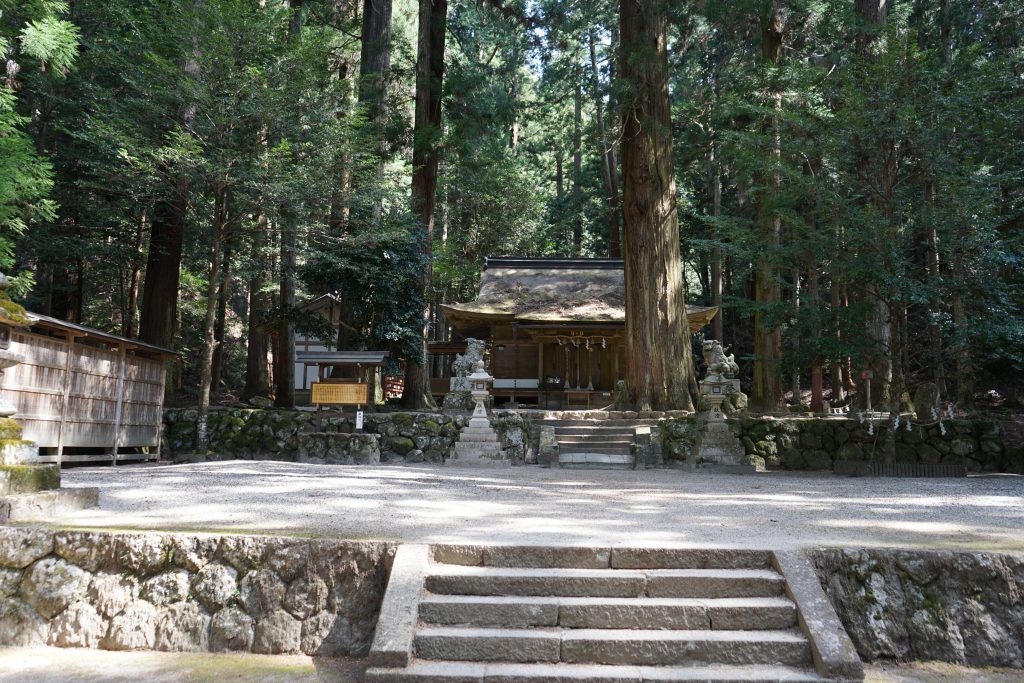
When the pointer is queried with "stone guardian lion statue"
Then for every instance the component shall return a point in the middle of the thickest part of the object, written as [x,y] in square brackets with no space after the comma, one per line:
[718,362]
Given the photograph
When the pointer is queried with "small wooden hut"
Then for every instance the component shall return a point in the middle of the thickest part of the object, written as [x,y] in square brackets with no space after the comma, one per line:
[555,328]
[83,395]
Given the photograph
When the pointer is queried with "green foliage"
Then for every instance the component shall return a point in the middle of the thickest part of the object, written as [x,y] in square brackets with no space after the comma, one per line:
[28,32]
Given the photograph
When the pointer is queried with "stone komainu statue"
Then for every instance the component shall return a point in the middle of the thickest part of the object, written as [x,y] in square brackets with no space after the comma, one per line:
[463,364]
[460,399]
[718,362]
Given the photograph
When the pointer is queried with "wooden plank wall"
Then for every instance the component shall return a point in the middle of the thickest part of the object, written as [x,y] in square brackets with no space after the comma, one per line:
[67,396]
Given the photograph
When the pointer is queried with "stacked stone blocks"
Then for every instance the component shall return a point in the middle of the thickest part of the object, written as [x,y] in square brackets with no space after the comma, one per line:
[189,593]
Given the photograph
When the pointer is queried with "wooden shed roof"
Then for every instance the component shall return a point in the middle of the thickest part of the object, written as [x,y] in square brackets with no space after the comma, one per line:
[372,358]
[56,324]
[541,290]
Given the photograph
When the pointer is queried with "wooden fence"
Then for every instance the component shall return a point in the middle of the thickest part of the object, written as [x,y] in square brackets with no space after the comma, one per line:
[80,401]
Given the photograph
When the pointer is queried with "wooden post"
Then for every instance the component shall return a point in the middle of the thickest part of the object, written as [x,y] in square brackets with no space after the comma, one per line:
[119,391]
[515,363]
[160,411]
[65,397]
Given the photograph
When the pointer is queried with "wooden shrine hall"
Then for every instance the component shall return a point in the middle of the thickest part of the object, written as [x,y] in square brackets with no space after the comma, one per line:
[554,329]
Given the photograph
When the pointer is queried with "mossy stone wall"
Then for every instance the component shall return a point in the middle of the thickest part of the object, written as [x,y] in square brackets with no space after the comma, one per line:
[817,443]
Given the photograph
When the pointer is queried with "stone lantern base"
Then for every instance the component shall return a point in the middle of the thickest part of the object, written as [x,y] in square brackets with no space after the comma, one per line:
[478,444]
[718,449]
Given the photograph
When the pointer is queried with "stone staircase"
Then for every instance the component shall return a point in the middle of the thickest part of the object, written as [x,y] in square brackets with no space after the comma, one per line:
[500,613]
[478,446]
[596,444]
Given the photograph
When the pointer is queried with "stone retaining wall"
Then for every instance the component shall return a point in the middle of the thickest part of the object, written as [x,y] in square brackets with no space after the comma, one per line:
[906,605]
[277,434]
[295,435]
[190,593]
[817,443]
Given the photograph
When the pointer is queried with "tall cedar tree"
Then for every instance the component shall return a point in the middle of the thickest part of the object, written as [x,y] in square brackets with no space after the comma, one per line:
[433,21]
[659,362]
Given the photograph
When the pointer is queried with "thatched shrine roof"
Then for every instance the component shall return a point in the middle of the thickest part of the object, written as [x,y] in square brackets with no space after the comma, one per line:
[541,290]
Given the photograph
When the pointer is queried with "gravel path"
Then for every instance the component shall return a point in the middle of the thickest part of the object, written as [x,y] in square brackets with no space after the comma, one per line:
[56,665]
[532,505]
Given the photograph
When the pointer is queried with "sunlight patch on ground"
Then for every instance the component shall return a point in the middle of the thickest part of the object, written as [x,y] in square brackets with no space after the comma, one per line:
[539,506]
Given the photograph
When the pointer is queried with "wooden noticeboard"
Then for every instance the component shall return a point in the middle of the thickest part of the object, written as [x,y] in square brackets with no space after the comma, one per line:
[340,394]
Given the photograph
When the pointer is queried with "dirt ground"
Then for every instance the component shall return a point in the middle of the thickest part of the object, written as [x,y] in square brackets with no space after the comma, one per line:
[54,665]
[532,505]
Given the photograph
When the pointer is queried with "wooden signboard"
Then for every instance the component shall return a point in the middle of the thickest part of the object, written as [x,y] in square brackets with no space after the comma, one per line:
[340,394]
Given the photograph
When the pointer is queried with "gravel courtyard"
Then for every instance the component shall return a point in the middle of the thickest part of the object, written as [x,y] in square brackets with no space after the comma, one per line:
[537,506]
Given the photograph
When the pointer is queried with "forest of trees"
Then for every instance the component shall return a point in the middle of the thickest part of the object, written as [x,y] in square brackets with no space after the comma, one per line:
[844,177]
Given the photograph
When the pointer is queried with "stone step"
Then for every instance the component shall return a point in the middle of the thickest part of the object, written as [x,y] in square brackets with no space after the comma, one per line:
[479,672]
[618,583]
[603,646]
[667,648]
[478,450]
[489,437]
[596,460]
[612,613]
[689,558]
[601,423]
[586,438]
[596,447]
[47,504]
[584,557]
[585,430]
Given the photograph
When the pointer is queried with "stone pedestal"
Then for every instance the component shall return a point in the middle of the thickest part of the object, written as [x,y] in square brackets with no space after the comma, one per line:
[718,448]
[478,444]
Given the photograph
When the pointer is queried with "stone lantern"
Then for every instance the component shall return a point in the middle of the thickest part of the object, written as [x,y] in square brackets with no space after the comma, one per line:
[480,389]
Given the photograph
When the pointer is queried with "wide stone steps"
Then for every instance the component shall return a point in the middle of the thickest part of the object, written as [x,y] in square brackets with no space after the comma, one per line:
[592,431]
[595,444]
[479,672]
[596,447]
[502,611]
[609,583]
[541,614]
[601,423]
[606,646]
[584,438]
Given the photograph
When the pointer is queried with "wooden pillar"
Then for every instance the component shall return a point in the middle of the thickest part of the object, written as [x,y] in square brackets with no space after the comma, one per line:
[540,362]
[515,362]
[615,364]
[160,411]
[65,397]
[122,357]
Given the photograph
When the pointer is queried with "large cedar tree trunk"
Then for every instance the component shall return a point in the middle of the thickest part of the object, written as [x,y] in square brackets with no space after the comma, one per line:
[284,358]
[611,189]
[159,314]
[766,392]
[659,362]
[433,20]
[577,168]
[374,63]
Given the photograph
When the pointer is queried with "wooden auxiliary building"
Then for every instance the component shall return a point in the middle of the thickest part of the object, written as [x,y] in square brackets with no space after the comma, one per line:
[84,395]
